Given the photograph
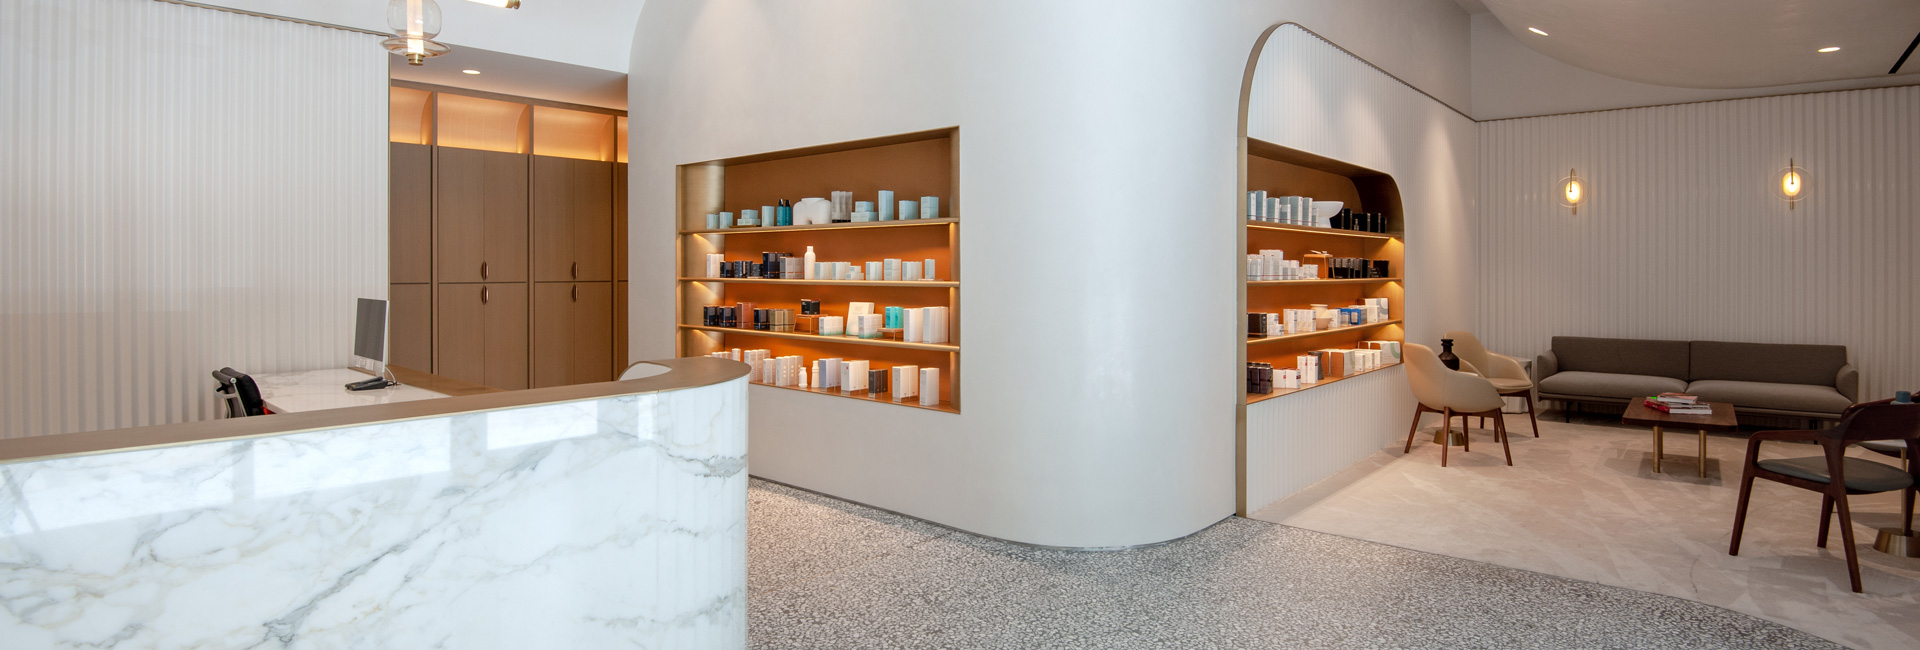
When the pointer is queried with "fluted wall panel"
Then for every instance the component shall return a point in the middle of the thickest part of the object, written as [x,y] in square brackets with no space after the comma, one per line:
[183,189]
[1307,436]
[1684,236]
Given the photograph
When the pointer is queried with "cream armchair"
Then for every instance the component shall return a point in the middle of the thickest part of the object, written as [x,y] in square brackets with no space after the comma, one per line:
[1503,371]
[1449,393]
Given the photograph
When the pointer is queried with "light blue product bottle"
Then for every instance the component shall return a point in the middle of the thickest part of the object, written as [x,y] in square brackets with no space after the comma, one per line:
[926,271]
[767,216]
[749,217]
[713,221]
[873,270]
[1902,397]
[886,205]
[909,210]
[893,317]
[929,207]
[726,220]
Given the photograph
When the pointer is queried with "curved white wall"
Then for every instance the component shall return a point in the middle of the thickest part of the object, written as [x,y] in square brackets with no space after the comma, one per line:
[1100,401]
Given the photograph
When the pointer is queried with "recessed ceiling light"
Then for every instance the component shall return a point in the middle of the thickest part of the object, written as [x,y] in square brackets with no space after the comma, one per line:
[1829,49]
[470,71]
[1536,30]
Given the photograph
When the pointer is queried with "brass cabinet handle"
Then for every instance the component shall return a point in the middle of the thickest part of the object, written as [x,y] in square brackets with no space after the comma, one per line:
[484,294]
[576,270]
[483,270]
[576,293]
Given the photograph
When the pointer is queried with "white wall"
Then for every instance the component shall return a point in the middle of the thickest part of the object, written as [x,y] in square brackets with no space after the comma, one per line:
[1085,126]
[591,33]
[1308,95]
[181,189]
[1684,239]
[1512,80]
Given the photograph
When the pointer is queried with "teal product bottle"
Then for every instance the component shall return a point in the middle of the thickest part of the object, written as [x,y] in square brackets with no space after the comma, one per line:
[783,215]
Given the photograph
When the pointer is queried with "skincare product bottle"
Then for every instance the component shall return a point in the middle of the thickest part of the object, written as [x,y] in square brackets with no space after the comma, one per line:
[885,204]
[808,268]
[783,213]
[926,270]
[929,207]
[909,210]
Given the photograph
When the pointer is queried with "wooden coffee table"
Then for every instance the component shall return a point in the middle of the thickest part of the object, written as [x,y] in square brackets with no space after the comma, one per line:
[1722,420]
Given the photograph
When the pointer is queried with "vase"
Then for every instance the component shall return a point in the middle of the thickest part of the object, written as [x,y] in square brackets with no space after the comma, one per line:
[1447,356]
[812,210]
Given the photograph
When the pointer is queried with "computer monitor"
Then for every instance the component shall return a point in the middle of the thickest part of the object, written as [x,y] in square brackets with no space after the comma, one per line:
[370,335]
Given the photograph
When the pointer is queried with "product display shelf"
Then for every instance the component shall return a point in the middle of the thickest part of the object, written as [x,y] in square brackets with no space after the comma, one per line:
[883,398]
[1317,230]
[750,230]
[911,165]
[930,284]
[885,343]
[1277,392]
[1282,283]
[1257,340]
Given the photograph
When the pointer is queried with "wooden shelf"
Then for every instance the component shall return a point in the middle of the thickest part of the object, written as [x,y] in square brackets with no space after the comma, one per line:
[835,283]
[1335,232]
[1302,335]
[1308,283]
[909,223]
[1277,392]
[883,398]
[937,347]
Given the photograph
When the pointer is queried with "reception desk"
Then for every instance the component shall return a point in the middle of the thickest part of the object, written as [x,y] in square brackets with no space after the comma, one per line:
[590,516]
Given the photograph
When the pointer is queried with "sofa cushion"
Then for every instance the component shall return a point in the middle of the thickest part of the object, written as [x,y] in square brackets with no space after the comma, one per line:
[1817,365]
[1622,356]
[1785,397]
[1861,475]
[1607,384]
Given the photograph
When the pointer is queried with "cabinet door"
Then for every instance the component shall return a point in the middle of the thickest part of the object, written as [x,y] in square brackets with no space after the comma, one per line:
[409,213]
[506,335]
[592,332]
[552,334]
[572,220]
[480,205]
[410,326]
[619,222]
[460,333]
[620,357]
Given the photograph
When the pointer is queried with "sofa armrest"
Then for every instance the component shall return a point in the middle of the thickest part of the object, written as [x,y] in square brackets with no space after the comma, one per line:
[1848,383]
[1545,366]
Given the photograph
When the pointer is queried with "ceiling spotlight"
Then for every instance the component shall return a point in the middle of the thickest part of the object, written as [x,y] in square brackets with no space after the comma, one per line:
[503,4]
[1536,30]
[1825,50]
[471,71]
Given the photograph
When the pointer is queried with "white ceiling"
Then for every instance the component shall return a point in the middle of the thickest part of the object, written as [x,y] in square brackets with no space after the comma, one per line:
[518,75]
[1717,43]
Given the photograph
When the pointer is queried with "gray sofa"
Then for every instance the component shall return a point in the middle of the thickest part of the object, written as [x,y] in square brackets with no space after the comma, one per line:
[1806,381]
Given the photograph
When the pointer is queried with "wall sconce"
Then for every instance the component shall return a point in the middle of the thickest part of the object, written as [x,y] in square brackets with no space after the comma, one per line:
[1793,184]
[1572,191]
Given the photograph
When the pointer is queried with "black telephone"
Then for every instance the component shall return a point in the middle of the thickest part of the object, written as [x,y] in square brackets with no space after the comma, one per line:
[372,384]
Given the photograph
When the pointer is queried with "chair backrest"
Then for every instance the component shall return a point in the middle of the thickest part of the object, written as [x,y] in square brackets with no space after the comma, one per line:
[1880,420]
[240,394]
[1441,388]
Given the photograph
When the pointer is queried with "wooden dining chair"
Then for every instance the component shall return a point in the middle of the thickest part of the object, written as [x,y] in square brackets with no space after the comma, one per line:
[1835,475]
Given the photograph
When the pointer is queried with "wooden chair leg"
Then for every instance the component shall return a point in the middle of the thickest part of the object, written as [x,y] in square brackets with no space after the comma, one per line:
[1500,429]
[1446,433]
[1536,423]
[1466,435]
[1418,410]
[1846,537]
[1740,511]
[1826,517]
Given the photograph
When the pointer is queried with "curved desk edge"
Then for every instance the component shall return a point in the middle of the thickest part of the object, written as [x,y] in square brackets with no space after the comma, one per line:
[692,372]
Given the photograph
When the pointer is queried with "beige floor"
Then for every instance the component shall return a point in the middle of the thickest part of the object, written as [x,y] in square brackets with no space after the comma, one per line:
[1583,502]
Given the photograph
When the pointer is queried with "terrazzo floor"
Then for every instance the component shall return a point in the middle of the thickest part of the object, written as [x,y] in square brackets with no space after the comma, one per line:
[825,573]
[1583,502]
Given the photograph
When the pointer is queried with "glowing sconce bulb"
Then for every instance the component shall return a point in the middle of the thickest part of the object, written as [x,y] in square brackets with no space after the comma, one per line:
[1793,184]
[1572,191]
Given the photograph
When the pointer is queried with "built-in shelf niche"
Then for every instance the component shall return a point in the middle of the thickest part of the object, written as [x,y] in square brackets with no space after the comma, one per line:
[484,124]
[409,115]
[563,133]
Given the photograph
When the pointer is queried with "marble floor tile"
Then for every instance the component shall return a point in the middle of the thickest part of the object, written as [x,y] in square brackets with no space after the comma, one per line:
[1583,502]
[1239,584]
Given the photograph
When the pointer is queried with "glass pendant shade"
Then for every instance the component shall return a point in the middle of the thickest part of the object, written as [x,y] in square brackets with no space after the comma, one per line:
[414,24]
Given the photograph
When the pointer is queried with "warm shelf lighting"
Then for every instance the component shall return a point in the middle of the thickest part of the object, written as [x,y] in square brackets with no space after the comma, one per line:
[414,24]
[1572,191]
[503,4]
[1536,30]
[1793,184]
[470,71]
[1825,50]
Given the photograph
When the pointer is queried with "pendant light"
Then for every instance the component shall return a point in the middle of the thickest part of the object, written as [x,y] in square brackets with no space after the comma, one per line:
[414,24]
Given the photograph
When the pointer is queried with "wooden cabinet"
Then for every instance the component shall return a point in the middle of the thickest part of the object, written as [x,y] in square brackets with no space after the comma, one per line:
[620,358]
[480,207]
[410,214]
[572,220]
[572,333]
[410,326]
[480,333]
